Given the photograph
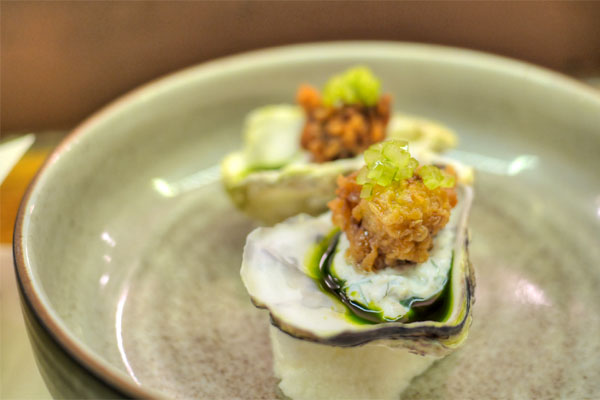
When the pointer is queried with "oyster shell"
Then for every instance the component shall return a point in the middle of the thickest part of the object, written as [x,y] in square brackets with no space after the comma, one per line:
[277,277]
[322,349]
[272,178]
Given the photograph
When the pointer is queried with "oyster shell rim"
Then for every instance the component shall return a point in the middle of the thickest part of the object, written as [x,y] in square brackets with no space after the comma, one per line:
[448,334]
[419,330]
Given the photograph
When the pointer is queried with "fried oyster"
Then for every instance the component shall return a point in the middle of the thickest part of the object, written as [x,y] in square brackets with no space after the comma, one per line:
[395,223]
[360,309]
[293,154]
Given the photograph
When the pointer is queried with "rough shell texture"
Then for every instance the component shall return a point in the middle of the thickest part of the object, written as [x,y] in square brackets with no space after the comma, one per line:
[275,274]
[272,195]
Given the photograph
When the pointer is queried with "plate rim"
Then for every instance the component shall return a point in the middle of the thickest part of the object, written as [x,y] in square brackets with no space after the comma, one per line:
[92,362]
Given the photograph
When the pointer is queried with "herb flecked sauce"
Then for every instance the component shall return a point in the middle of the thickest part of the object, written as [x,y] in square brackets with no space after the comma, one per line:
[438,311]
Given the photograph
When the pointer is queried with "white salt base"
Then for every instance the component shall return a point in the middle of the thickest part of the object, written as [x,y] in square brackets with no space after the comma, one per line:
[315,371]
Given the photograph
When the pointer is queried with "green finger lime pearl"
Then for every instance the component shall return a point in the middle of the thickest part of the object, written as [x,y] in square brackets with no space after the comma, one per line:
[357,85]
[434,178]
[391,161]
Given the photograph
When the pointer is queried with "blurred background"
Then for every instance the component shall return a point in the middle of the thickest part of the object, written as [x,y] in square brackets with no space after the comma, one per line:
[63,60]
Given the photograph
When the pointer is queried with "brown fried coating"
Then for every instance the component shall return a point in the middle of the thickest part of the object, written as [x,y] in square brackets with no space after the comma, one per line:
[396,225]
[331,133]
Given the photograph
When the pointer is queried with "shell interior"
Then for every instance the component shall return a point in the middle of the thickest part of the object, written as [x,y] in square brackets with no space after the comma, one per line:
[278,273]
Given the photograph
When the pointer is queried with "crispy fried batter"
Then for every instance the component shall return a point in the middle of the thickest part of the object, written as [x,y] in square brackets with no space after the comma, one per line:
[331,133]
[396,225]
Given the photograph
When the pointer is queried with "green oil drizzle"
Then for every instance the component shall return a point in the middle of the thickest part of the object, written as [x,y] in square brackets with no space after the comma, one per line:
[441,309]
[314,256]
[313,261]
[259,168]
[438,311]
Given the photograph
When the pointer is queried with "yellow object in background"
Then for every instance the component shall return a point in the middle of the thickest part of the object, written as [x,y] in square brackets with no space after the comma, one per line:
[16,182]
[13,188]
[20,378]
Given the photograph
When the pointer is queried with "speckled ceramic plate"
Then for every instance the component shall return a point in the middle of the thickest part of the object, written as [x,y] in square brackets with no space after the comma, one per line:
[128,251]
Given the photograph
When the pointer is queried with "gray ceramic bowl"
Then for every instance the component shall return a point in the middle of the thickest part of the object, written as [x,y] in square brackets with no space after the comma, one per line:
[127,250]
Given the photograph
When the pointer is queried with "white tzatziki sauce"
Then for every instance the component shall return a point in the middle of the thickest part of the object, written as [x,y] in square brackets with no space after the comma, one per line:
[392,289]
